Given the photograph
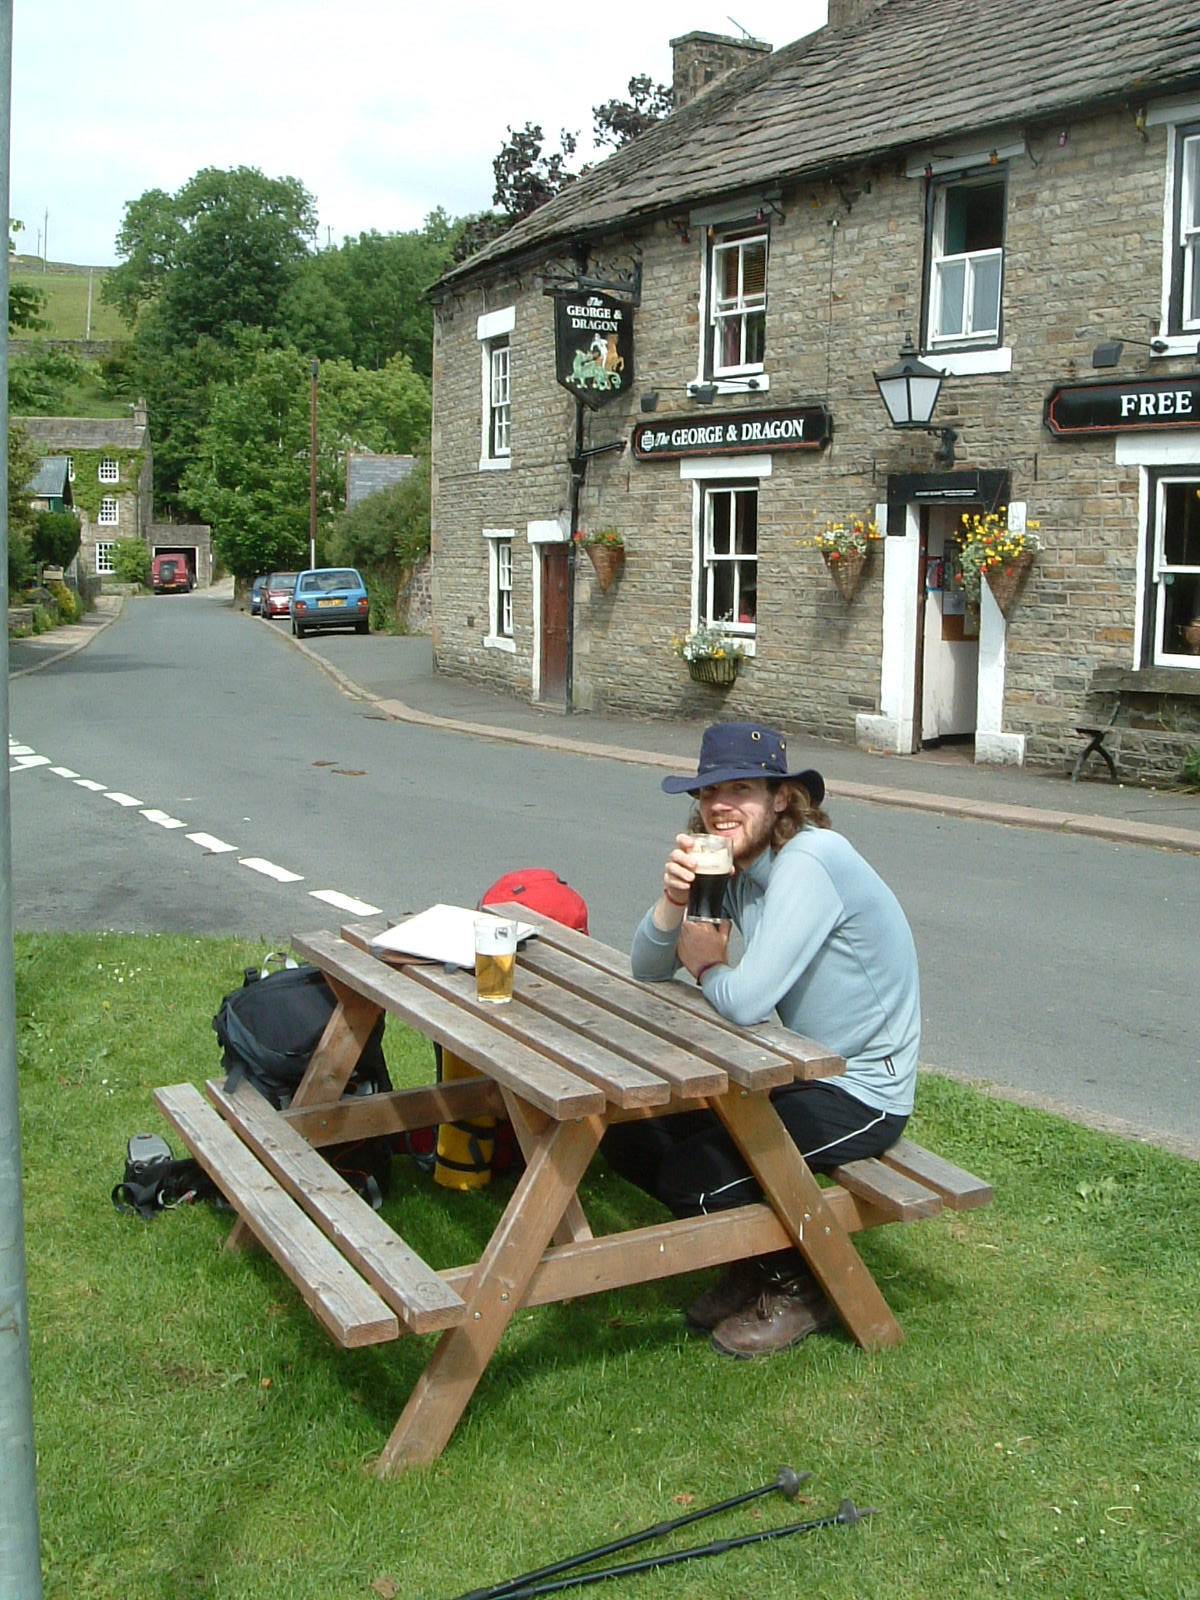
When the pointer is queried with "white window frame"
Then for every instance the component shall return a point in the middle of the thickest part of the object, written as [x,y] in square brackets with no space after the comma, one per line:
[737,308]
[711,561]
[1161,573]
[109,515]
[500,634]
[109,470]
[70,469]
[493,330]
[499,399]
[1182,277]
[105,566]
[971,263]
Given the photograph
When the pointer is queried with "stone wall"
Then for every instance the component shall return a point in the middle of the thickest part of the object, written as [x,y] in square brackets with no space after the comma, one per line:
[1083,255]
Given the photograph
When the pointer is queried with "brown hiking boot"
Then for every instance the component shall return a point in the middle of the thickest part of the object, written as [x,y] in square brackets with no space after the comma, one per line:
[775,1319]
[736,1285]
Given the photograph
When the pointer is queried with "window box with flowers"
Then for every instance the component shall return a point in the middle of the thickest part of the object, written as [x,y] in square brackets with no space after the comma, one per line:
[845,547]
[606,552]
[991,550]
[712,655]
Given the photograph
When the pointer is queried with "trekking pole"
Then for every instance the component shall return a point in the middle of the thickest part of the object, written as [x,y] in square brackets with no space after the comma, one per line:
[787,1482]
[846,1513]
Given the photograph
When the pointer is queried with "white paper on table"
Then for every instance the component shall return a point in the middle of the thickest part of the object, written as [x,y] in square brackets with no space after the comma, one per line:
[442,933]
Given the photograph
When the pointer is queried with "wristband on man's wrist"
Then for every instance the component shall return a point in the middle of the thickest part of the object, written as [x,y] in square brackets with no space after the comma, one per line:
[704,968]
[672,900]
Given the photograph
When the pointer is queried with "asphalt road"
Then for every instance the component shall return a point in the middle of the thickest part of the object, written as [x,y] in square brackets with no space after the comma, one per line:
[192,771]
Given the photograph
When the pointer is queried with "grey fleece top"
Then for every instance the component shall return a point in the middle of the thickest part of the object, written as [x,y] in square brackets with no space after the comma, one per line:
[828,948]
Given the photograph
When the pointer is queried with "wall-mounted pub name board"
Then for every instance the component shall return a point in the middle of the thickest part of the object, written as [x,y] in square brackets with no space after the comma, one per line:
[1134,407]
[593,345]
[735,433]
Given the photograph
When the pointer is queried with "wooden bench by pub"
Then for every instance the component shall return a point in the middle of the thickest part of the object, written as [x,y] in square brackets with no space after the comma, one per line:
[581,1047]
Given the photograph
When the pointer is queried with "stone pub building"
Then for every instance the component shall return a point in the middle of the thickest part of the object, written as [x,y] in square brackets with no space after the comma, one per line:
[1015,188]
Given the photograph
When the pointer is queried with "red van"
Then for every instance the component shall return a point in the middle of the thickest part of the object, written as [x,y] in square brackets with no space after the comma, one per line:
[169,574]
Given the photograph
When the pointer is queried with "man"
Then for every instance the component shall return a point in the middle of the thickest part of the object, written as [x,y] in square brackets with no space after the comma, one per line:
[827,948]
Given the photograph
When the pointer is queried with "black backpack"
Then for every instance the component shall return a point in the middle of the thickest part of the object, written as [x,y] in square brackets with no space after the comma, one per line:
[269,1029]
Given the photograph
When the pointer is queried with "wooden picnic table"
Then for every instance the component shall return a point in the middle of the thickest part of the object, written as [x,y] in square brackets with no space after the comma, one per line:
[581,1047]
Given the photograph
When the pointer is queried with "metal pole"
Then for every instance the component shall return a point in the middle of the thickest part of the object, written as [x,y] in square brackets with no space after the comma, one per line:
[578,469]
[312,475]
[846,1515]
[20,1564]
[787,1482]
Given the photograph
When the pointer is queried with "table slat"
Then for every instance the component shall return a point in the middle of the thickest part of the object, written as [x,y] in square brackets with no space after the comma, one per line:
[515,1065]
[812,1060]
[746,1061]
[624,1082]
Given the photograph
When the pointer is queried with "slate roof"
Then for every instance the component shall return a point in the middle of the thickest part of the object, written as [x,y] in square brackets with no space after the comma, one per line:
[86,433]
[910,74]
[49,482]
[367,474]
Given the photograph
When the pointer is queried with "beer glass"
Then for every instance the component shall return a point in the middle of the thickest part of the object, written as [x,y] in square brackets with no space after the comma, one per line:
[712,859]
[495,959]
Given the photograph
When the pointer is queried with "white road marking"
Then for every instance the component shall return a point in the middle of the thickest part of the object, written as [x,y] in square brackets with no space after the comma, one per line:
[270,870]
[206,841]
[22,756]
[163,819]
[345,902]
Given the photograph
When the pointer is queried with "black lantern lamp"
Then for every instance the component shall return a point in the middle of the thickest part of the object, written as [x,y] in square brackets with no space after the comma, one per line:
[910,391]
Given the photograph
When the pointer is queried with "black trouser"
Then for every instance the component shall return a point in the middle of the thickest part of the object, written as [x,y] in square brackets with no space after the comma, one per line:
[691,1164]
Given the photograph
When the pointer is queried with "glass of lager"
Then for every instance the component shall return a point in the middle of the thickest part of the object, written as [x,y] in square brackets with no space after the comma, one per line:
[495,958]
[712,859]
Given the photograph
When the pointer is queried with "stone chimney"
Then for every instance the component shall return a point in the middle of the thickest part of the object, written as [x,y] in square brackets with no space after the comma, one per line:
[851,13]
[701,58]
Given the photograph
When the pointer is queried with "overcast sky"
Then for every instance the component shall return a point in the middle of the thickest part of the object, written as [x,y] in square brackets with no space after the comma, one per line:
[383,110]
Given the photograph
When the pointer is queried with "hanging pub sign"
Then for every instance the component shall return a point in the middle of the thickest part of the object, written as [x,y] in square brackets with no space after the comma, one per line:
[734,433]
[593,345]
[1135,407]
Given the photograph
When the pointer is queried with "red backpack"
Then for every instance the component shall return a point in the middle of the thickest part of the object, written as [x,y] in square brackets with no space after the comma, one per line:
[541,890]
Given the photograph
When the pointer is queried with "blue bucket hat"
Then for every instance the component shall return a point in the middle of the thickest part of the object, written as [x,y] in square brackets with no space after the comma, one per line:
[732,750]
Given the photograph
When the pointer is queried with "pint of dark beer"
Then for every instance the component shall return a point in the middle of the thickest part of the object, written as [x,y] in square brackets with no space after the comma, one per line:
[712,859]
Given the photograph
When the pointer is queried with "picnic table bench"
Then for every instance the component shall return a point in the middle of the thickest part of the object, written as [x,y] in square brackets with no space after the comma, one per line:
[582,1046]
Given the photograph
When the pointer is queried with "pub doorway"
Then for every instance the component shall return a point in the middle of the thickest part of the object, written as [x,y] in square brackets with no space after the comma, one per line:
[552,676]
[947,637]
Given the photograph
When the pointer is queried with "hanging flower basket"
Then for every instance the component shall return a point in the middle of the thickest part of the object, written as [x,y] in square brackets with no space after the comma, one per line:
[846,571]
[720,670]
[1005,579]
[608,560]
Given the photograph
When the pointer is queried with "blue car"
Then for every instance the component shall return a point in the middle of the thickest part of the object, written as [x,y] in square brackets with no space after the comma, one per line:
[330,597]
[256,594]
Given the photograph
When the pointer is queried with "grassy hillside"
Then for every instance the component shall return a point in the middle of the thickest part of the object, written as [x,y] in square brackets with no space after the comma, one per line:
[65,288]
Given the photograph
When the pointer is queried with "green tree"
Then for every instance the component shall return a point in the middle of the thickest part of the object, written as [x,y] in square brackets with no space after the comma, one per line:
[250,477]
[219,253]
[388,531]
[147,240]
[56,536]
[38,383]
[25,303]
[200,266]
[365,300]
[22,465]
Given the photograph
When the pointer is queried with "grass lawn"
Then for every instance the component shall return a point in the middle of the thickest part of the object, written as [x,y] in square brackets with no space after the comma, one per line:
[1037,1433]
[66,309]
